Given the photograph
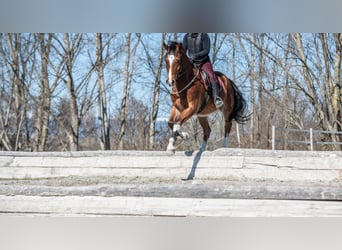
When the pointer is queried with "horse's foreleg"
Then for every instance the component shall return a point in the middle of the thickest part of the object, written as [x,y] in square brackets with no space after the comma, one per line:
[172,140]
[176,134]
[172,120]
[183,117]
[175,122]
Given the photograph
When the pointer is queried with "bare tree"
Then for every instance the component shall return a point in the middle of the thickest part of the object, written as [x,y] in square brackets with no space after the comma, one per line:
[156,93]
[6,96]
[312,68]
[128,71]
[125,91]
[333,79]
[102,99]
[43,109]
[260,40]
[17,52]
[327,108]
[14,46]
[250,59]
[217,43]
[70,48]
[47,87]
[137,124]
[80,93]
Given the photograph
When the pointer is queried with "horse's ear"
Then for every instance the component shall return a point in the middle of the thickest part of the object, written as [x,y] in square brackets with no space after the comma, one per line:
[181,46]
[166,47]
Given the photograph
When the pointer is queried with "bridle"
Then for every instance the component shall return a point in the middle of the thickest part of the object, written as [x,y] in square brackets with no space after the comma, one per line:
[179,74]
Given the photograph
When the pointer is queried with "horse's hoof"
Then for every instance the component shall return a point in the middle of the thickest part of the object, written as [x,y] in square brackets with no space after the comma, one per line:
[189,152]
[171,149]
[170,152]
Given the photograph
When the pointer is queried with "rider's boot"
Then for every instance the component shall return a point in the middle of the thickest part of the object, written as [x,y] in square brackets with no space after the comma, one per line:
[217,99]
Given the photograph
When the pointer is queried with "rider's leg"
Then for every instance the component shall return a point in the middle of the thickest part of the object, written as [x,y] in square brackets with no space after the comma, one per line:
[207,67]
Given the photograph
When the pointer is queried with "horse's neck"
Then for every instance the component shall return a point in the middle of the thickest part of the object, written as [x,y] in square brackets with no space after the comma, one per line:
[190,69]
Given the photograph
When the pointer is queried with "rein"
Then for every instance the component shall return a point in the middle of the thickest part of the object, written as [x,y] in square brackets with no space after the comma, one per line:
[188,85]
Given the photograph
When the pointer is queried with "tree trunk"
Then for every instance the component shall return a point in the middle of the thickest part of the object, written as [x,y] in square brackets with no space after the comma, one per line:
[252,102]
[43,110]
[337,88]
[102,99]
[74,125]
[125,92]
[13,42]
[156,93]
[260,91]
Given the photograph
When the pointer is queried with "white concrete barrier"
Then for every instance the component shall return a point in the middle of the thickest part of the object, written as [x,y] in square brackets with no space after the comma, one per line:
[222,164]
[151,206]
[224,182]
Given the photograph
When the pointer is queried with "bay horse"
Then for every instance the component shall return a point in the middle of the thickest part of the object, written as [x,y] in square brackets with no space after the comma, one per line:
[189,97]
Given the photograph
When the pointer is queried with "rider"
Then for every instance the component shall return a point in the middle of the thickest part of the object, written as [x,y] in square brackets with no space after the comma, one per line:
[197,46]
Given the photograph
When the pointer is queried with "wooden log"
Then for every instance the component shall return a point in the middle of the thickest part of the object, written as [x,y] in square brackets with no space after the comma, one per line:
[227,182]
[223,164]
[151,206]
[208,190]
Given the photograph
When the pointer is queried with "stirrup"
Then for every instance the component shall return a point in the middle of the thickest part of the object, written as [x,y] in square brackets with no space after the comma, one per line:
[218,102]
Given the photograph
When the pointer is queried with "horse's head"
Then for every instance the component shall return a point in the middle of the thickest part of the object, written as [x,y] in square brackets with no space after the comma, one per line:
[173,60]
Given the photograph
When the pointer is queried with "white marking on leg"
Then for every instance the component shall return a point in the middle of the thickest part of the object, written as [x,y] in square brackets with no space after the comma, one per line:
[181,134]
[176,127]
[170,146]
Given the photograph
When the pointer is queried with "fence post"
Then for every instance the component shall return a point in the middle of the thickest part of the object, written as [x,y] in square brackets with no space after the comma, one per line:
[273,138]
[311,139]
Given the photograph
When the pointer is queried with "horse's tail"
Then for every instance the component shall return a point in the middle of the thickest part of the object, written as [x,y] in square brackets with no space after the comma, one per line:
[240,106]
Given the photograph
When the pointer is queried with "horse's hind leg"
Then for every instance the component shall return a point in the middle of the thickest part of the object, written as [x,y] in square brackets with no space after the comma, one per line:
[227,128]
[206,131]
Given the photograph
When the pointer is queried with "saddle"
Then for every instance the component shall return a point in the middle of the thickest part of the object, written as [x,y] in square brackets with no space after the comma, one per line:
[208,87]
[206,81]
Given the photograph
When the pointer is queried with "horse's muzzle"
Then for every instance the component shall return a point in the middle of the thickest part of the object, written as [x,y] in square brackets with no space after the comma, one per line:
[170,83]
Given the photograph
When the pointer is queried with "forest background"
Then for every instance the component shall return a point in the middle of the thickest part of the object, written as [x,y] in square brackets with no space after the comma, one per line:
[96,91]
